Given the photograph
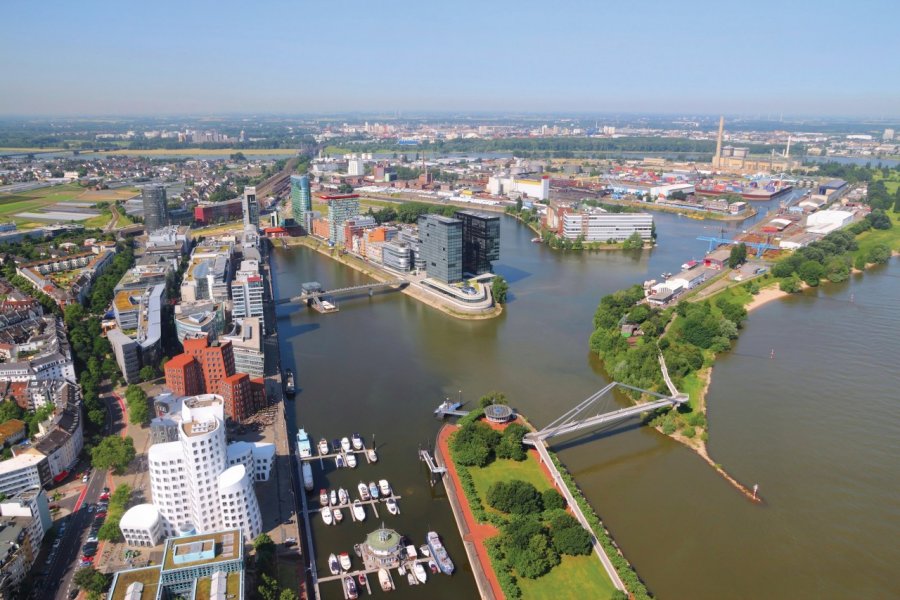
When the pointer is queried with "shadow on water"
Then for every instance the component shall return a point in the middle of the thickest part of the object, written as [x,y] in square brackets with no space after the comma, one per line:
[596,435]
[511,274]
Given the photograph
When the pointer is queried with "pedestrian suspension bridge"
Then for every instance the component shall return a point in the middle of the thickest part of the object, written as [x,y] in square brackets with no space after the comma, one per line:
[573,421]
[313,291]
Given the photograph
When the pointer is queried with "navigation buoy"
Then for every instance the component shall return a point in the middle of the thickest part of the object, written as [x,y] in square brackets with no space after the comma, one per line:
[755,488]
[772,355]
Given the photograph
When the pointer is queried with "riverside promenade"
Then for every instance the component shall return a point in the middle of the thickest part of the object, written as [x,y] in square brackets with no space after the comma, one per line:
[472,532]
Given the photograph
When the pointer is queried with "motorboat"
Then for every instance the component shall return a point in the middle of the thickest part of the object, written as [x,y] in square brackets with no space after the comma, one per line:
[327,517]
[351,460]
[424,551]
[343,496]
[339,461]
[373,490]
[335,445]
[358,511]
[345,561]
[401,569]
[307,476]
[373,457]
[337,514]
[323,496]
[303,445]
[357,550]
[363,491]
[384,578]
[439,552]
[411,578]
[333,497]
[356,440]
[433,566]
[345,444]
[384,487]
[350,588]
[333,565]
[411,552]
[323,447]
[419,572]
[362,579]
[392,506]
[289,384]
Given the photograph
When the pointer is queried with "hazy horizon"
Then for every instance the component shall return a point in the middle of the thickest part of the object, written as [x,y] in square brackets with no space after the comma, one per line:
[700,58]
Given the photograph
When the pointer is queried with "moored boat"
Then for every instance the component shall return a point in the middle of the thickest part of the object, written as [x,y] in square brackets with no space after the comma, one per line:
[339,461]
[333,565]
[289,386]
[327,517]
[337,514]
[307,477]
[323,447]
[358,511]
[323,496]
[350,588]
[356,440]
[384,487]
[333,497]
[372,455]
[335,445]
[343,496]
[424,551]
[433,566]
[362,579]
[345,444]
[363,491]
[419,572]
[303,445]
[411,579]
[351,460]
[373,490]
[345,561]
[384,578]
[392,506]
[439,553]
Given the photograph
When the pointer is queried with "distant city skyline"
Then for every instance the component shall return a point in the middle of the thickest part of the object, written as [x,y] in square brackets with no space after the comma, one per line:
[804,58]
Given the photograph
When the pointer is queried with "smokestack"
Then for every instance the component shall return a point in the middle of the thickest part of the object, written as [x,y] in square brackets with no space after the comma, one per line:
[719,140]
[787,151]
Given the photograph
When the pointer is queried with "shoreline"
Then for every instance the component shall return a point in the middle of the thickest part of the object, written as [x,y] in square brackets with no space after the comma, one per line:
[409,290]
[601,248]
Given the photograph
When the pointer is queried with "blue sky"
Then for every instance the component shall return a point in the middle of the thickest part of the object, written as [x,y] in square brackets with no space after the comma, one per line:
[160,57]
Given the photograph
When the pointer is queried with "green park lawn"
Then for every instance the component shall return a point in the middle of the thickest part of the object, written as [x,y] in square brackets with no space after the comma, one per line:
[507,470]
[870,238]
[575,577]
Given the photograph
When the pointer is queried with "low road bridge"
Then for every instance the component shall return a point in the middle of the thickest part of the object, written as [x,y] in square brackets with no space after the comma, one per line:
[313,290]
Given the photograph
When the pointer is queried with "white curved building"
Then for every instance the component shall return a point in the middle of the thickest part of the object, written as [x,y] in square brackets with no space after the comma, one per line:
[141,525]
[189,476]
[240,509]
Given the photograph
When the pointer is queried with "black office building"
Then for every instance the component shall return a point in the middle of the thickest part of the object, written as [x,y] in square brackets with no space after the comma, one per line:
[480,241]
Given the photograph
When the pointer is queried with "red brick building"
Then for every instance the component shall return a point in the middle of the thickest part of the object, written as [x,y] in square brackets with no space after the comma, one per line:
[243,396]
[216,361]
[184,376]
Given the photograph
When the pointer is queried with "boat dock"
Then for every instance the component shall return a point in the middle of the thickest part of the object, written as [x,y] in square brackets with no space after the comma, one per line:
[311,548]
[333,455]
[449,409]
[349,506]
[366,571]
[425,455]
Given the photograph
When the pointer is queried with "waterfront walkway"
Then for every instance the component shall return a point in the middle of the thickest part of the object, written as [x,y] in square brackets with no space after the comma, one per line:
[472,532]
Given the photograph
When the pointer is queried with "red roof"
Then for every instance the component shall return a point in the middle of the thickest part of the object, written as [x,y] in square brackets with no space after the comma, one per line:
[269,230]
[180,361]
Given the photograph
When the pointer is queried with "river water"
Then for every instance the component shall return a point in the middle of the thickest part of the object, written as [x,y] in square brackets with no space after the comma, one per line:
[816,427]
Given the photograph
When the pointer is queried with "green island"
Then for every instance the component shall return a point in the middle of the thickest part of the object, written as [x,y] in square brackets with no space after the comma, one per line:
[629,335]
[538,549]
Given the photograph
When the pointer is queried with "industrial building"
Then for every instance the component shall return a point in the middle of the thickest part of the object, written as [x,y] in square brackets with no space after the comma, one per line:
[600,226]
[513,186]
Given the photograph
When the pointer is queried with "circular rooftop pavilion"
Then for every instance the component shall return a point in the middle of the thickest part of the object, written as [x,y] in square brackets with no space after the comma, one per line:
[140,516]
[384,542]
[499,413]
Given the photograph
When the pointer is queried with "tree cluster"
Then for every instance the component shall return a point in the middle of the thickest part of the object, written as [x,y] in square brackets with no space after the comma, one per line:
[138,405]
[499,288]
[113,452]
[91,580]
[118,503]
[828,258]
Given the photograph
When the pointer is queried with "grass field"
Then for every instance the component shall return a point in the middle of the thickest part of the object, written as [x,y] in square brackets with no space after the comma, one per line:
[36,200]
[575,577]
[507,470]
[891,236]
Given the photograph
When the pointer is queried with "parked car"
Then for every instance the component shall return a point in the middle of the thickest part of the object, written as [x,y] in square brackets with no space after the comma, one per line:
[84,478]
[104,496]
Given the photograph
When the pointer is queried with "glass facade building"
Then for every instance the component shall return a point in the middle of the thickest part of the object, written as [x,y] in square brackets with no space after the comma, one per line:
[301,201]
[156,215]
[442,247]
[481,241]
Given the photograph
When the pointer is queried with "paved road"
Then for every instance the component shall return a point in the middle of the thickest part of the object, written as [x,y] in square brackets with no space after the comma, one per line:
[58,580]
